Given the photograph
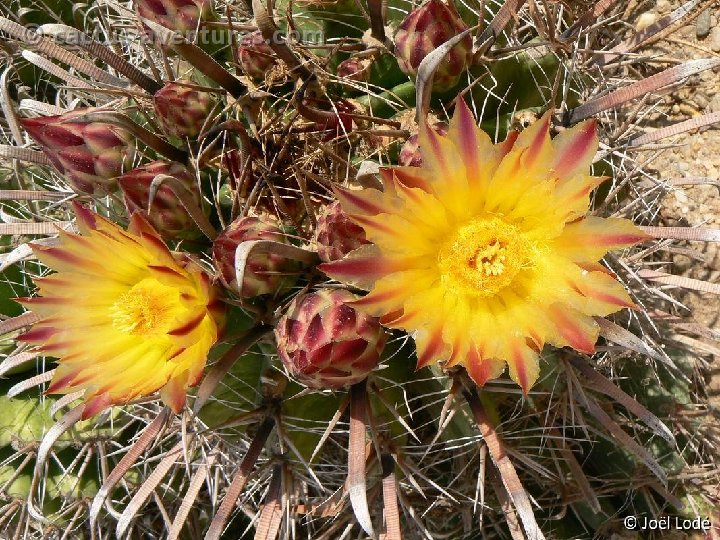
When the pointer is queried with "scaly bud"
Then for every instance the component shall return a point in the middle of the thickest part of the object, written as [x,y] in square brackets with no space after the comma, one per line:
[166,214]
[410,152]
[425,29]
[255,55]
[355,69]
[336,234]
[326,343]
[179,15]
[91,155]
[181,109]
[265,273]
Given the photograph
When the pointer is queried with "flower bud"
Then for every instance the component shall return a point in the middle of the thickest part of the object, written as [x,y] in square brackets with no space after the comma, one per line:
[326,343]
[91,155]
[424,30]
[181,109]
[265,273]
[166,214]
[336,234]
[256,57]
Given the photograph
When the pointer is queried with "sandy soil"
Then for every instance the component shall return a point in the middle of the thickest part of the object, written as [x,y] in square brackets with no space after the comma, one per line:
[694,155]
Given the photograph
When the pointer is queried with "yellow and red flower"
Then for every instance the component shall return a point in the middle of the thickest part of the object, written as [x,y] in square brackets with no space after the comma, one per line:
[124,317]
[486,252]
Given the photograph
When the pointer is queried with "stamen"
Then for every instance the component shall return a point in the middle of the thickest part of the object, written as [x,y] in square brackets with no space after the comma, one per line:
[483,257]
[147,309]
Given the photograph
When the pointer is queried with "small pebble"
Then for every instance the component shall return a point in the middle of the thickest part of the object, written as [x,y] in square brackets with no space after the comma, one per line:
[645,20]
[662,6]
[681,197]
[687,110]
[715,103]
[702,27]
[715,39]
[701,101]
[675,109]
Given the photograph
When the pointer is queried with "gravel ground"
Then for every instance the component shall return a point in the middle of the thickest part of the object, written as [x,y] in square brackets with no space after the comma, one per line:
[695,154]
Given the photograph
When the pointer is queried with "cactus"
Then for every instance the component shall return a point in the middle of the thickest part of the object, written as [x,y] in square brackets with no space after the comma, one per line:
[303,154]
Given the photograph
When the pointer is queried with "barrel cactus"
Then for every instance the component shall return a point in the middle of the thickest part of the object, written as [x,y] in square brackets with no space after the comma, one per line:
[316,268]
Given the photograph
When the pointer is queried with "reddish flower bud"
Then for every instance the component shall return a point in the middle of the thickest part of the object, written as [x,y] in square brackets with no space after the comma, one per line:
[91,155]
[326,343]
[181,109]
[410,152]
[178,15]
[336,234]
[167,214]
[265,273]
[354,68]
[425,29]
[255,55]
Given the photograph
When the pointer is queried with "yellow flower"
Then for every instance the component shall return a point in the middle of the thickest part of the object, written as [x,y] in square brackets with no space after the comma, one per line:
[485,253]
[122,315]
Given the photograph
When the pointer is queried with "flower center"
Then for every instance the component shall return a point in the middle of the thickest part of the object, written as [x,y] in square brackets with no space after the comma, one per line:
[147,309]
[483,257]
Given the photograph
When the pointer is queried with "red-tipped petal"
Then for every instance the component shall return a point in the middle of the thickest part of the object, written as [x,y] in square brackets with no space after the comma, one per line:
[537,143]
[430,345]
[141,226]
[604,294]
[367,201]
[38,334]
[575,149]
[85,218]
[361,267]
[412,177]
[508,144]
[60,384]
[96,405]
[173,394]
[524,365]
[483,370]
[591,238]
[574,329]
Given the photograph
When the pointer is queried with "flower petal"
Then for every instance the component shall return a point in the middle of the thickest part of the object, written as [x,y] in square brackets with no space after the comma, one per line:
[96,405]
[362,267]
[523,364]
[537,145]
[601,294]
[572,197]
[481,370]
[573,329]
[575,149]
[173,394]
[481,157]
[430,346]
[589,239]
[366,201]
